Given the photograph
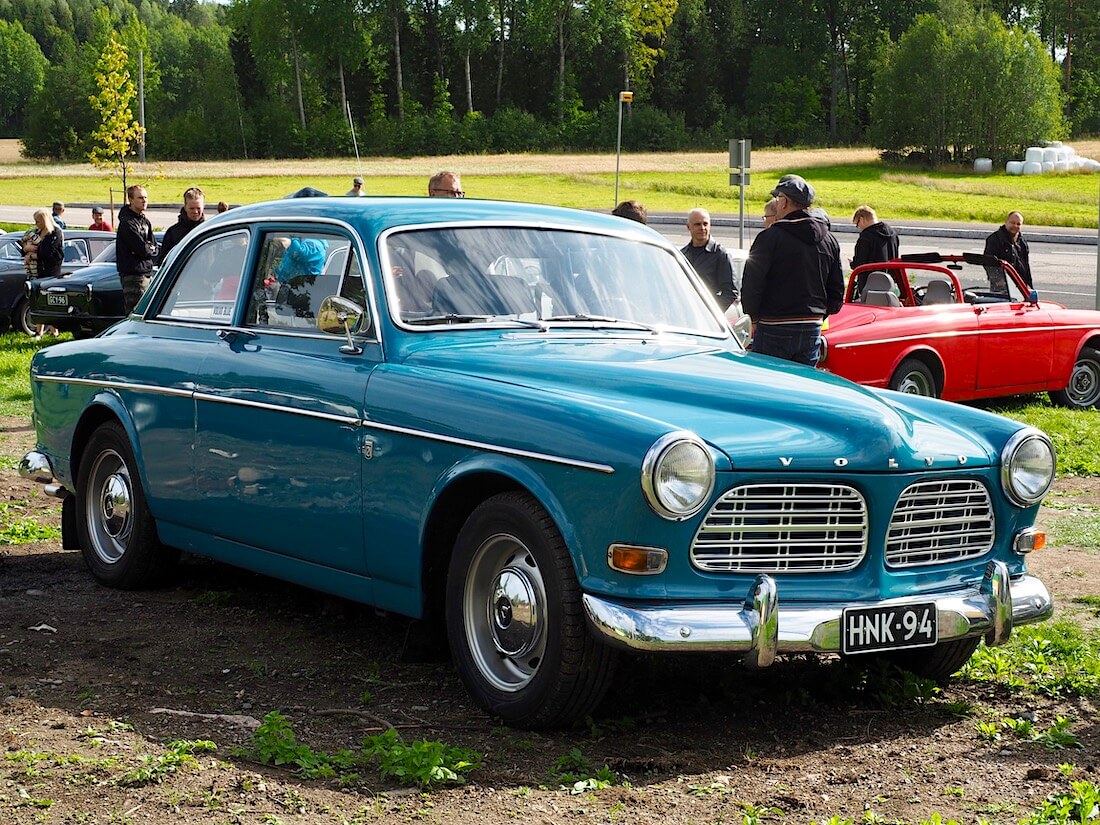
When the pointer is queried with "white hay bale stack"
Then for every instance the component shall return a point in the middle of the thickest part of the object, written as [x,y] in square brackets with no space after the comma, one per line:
[1061,166]
[1048,166]
[1050,155]
[983,166]
[1014,167]
[1033,167]
[1034,154]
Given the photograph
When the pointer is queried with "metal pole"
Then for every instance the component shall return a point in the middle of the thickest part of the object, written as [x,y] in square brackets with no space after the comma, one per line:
[1097,301]
[741,225]
[141,103]
[618,149]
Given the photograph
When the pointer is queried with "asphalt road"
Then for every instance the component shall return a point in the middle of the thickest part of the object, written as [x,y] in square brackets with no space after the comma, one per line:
[1063,261]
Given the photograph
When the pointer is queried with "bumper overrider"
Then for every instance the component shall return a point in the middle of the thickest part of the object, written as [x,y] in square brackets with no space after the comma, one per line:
[759,627]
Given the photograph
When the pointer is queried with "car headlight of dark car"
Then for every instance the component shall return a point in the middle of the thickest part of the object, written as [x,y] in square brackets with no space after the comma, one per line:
[1027,467]
[678,475]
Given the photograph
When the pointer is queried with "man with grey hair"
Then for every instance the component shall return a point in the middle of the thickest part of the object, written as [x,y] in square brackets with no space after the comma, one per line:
[711,260]
[793,279]
[771,213]
[445,185]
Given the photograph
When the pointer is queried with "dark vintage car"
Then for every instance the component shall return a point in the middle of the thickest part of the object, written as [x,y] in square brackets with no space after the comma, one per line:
[532,427]
[82,246]
[84,301]
[961,327]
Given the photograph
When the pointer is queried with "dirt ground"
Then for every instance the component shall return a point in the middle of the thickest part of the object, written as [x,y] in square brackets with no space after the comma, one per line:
[693,740]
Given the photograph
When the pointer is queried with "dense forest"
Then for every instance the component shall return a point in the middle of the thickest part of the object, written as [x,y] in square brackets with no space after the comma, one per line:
[941,79]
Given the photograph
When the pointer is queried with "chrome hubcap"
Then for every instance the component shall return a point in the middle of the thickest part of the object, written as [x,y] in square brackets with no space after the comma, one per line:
[514,613]
[115,506]
[1084,383]
[914,383]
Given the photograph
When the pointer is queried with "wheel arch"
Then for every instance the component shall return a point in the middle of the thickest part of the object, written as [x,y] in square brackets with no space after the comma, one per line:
[457,495]
[927,356]
[105,407]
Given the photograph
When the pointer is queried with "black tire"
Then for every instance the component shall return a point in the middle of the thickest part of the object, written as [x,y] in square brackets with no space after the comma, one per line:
[937,663]
[914,377]
[515,621]
[20,318]
[1083,390]
[117,533]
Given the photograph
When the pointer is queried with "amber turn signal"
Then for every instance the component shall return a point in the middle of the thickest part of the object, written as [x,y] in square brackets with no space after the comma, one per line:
[641,561]
[1028,540]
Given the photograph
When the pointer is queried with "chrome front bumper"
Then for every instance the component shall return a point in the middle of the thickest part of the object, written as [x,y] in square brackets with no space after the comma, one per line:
[36,467]
[759,627]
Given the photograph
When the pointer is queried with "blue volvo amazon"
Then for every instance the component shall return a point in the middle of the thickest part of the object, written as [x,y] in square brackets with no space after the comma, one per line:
[534,426]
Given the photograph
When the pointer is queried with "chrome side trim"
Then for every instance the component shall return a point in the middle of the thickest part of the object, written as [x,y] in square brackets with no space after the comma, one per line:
[115,385]
[350,420]
[339,419]
[801,628]
[492,448]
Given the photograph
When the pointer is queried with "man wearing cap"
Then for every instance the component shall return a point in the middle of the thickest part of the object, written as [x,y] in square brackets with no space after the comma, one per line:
[356,190]
[97,220]
[793,278]
[711,260]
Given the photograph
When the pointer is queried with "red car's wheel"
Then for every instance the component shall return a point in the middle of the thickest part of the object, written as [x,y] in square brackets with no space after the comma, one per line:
[915,378]
[1083,390]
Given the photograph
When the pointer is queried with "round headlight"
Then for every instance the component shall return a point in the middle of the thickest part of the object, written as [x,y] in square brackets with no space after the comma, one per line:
[1027,467]
[677,475]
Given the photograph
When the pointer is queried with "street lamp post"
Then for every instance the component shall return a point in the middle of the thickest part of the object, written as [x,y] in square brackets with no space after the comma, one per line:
[624,97]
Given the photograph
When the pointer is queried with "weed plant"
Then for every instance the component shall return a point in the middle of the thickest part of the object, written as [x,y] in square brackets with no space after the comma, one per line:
[1053,659]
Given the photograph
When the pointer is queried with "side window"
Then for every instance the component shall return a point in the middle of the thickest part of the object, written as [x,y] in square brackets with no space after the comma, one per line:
[296,272]
[9,250]
[206,287]
[76,252]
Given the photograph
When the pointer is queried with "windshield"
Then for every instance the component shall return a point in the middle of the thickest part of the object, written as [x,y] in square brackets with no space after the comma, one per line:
[540,278]
[108,254]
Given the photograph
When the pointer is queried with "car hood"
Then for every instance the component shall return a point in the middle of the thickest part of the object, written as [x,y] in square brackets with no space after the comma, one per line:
[854,315]
[763,413]
[93,273]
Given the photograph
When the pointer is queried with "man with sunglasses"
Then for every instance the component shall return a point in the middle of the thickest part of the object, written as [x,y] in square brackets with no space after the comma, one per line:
[445,185]
[793,279]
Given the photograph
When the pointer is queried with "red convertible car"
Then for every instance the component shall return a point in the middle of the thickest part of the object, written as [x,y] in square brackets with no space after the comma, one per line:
[961,327]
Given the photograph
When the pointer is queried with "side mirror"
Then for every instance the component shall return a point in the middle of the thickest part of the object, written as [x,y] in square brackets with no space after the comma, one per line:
[742,330]
[339,316]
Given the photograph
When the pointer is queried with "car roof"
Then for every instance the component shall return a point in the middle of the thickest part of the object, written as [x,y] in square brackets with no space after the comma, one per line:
[374,215]
[69,233]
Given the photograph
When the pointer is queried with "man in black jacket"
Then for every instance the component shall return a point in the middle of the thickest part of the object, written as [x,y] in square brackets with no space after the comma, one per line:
[793,278]
[191,215]
[877,242]
[136,248]
[1008,244]
[711,260]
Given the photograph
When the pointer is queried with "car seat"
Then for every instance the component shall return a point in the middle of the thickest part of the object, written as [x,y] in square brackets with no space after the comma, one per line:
[878,290]
[939,292]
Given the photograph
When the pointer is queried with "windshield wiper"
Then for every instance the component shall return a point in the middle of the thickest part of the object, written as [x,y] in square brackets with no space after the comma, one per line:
[598,319]
[473,319]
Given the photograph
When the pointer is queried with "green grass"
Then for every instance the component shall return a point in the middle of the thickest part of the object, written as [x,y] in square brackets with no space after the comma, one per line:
[1075,433]
[16,350]
[1057,658]
[1067,199]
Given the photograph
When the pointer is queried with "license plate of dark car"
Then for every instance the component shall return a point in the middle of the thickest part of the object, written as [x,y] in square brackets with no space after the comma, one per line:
[893,627]
[57,300]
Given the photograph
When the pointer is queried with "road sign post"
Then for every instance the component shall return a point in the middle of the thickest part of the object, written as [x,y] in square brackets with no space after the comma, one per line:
[624,97]
[740,168]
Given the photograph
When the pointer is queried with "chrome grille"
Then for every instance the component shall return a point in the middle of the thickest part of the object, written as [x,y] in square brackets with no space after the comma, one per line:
[935,522]
[798,527]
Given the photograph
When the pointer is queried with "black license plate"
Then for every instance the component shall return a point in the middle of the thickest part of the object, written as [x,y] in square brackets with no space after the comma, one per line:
[57,300]
[894,627]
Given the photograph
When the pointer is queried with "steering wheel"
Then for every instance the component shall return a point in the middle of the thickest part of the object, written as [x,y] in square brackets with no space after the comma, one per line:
[918,294]
[971,296]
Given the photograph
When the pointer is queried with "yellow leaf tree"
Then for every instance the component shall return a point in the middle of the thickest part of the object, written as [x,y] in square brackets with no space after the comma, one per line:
[118,133]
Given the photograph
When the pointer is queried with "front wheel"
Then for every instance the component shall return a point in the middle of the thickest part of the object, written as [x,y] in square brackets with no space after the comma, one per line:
[515,621]
[936,663]
[915,378]
[117,534]
[1083,390]
[21,318]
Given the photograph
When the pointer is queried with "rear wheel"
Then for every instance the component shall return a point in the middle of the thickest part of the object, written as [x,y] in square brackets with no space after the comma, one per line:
[117,534]
[915,378]
[1083,390]
[515,620]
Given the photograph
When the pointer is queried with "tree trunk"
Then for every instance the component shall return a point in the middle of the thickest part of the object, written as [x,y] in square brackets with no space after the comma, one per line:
[469,85]
[343,88]
[561,68]
[397,62]
[500,55]
[298,79]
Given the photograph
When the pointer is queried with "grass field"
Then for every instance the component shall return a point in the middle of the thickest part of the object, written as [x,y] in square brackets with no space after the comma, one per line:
[665,182]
